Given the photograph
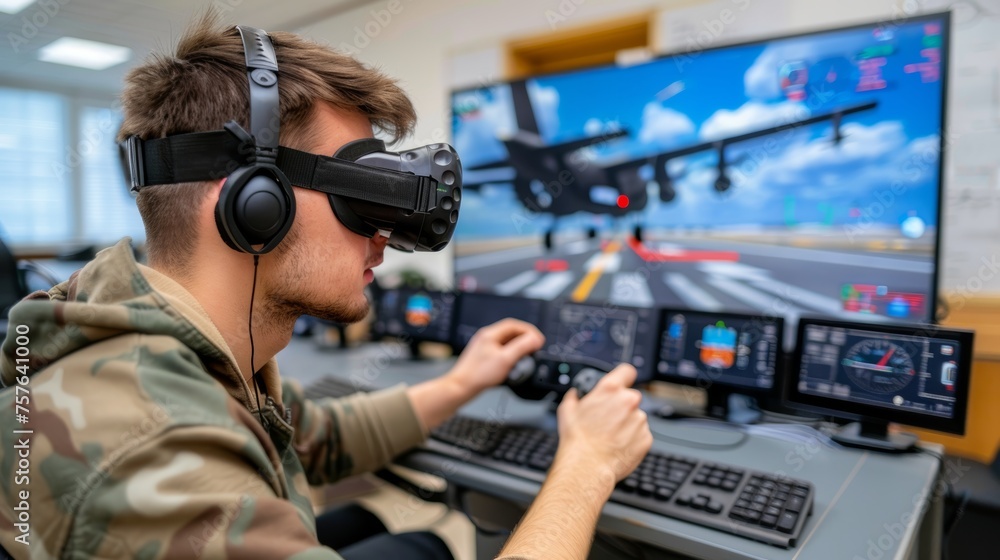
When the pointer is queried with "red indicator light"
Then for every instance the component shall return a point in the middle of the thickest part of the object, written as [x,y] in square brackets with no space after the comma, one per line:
[622,201]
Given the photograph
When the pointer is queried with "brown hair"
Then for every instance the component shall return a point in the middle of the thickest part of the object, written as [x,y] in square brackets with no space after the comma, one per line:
[204,84]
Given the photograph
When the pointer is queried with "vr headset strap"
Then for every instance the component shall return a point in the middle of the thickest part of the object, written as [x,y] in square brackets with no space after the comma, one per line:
[184,158]
[354,180]
[209,156]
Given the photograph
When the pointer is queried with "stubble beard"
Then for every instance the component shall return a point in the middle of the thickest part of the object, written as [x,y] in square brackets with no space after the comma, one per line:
[288,300]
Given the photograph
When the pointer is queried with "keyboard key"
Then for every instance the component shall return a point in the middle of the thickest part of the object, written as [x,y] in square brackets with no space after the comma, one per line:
[683,500]
[742,503]
[758,499]
[677,476]
[540,463]
[795,504]
[728,485]
[800,491]
[699,502]
[734,477]
[772,511]
[713,507]
[786,523]
[768,521]
[714,482]
[672,486]
[700,479]
[646,489]
[629,485]
[663,493]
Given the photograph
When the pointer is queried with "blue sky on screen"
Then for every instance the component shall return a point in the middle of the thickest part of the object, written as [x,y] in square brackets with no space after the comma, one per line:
[677,101]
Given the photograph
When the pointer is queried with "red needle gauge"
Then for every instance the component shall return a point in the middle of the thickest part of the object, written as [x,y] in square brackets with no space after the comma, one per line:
[886,357]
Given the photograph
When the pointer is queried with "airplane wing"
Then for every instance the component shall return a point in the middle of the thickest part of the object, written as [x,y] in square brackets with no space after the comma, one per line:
[660,159]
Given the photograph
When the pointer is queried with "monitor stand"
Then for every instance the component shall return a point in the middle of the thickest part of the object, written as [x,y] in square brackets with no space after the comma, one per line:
[874,435]
[731,407]
[415,354]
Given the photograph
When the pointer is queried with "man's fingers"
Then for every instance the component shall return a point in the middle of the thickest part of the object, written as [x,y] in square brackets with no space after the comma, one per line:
[522,345]
[505,330]
[622,376]
[569,402]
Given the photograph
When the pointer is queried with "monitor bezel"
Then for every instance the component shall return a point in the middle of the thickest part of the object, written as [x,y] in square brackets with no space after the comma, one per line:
[779,362]
[848,410]
[943,16]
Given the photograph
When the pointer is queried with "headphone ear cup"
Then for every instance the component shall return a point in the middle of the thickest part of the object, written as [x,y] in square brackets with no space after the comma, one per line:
[256,207]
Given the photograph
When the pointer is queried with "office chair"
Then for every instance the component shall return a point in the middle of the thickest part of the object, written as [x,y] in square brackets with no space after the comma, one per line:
[14,277]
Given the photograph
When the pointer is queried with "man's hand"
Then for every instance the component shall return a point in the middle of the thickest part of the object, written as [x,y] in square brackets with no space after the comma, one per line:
[492,353]
[602,438]
[605,430]
[486,361]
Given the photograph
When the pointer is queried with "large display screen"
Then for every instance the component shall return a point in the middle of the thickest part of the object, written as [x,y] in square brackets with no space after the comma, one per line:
[795,176]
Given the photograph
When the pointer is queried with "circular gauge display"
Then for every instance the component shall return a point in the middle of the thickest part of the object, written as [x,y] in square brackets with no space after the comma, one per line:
[879,366]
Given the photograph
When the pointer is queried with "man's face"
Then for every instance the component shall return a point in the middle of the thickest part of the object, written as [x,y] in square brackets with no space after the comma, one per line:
[321,268]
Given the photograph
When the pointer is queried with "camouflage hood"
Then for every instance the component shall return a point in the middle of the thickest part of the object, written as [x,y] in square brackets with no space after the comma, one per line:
[111,296]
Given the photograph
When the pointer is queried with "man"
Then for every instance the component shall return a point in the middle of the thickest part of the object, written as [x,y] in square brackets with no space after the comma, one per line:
[148,438]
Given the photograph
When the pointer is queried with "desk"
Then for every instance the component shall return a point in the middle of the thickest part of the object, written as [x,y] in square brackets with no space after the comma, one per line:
[867,506]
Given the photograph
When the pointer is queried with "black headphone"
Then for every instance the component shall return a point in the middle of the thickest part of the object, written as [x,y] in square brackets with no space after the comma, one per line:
[257,205]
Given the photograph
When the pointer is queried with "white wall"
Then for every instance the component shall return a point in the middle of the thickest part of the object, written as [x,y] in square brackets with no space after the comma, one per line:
[432,46]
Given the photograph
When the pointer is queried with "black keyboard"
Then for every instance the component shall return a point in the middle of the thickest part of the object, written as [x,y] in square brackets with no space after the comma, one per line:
[744,502]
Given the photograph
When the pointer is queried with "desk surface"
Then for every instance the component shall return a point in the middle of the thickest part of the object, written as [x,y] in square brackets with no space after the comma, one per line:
[867,505]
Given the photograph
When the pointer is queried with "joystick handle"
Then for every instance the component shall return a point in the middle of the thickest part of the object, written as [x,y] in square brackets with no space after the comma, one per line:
[585,380]
[521,372]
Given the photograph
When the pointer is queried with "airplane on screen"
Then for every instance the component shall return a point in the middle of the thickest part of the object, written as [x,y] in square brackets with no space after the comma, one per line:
[560,180]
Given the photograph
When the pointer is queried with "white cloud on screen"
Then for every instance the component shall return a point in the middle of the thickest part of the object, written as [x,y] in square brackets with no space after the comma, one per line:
[661,126]
[752,115]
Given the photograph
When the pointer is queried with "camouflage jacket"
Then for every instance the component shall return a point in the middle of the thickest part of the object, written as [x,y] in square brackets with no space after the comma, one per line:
[141,439]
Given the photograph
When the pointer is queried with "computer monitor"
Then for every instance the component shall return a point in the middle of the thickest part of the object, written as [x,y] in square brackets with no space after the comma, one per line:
[798,175]
[601,337]
[476,311]
[414,315]
[875,373]
[723,353]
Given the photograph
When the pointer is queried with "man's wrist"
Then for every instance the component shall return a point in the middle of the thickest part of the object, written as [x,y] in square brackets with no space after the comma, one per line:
[457,387]
[586,471]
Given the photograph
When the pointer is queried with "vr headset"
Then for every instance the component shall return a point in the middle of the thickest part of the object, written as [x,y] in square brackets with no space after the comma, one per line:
[412,197]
